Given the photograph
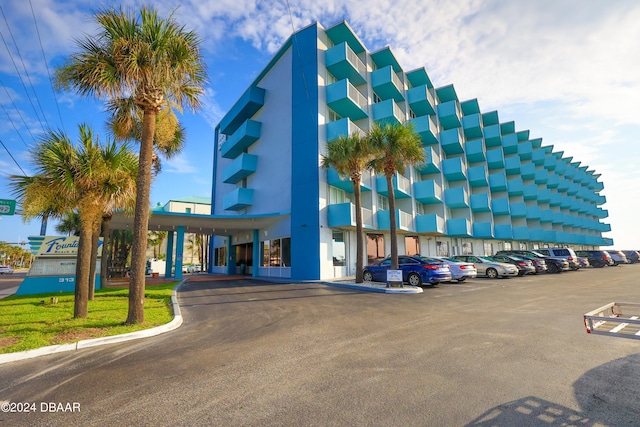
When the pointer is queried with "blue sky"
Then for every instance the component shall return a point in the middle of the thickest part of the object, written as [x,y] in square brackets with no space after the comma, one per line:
[567,70]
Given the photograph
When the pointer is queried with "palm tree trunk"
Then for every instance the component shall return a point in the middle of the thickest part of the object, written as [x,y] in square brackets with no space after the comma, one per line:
[359,244]
[80,305]
[141,221]
[392,223]
[106,252]
[95,237]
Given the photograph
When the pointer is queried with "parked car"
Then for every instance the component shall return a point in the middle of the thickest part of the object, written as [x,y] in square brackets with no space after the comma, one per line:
[597,258]
[566,253]
[487,267]
[6,269]
[584,262]
[539,263]
[618,257]
[632,256]
[554,264]
[416,270]
[524,266]
[460,270]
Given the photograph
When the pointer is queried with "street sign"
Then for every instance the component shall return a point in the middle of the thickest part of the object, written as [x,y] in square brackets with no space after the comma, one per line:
[7,207]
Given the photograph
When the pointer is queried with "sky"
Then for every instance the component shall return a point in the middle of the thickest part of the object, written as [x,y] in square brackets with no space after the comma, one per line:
[566,70]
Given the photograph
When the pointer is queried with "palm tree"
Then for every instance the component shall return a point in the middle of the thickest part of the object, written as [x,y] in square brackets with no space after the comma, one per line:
[396,147]
[349,156]
[85,179]
[153,62]
[69,224]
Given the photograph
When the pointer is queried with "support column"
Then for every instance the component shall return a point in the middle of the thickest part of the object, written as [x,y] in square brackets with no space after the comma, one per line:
[256,253]
[169,254]
[179,251]
[231,257]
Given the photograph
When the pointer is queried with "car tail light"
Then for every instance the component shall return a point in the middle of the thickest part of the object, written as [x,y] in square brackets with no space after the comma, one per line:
[431,266]
[523,264]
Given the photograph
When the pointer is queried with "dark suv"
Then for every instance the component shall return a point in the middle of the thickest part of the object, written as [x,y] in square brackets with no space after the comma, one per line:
[566,253]
[632,256]
[597,258]
[554,265]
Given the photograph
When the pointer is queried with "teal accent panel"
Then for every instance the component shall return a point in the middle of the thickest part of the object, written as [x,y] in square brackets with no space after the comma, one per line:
[480,202]
[492,136]
[541,176]
[546,215]
[426,127]
[525,150]
[512,165]
[495,159]
[534,212]
[384,57]
[555,199]
[387,112]
[471,126]
[507,128]
[449,115]
[386,84]
[477,176]
[242,138]
[490,119]
[483,230]
[558,218]
[420,100]
[427,192]
[459,227]
[237,199]
[563,185]
[520,233]
[384,222]
[340,128]
[518,210]
[553,181]
[456,198]
[470,107]
[510,144]
[342,32]
[549,236]
[550,163]
[344,99]
[523,135]
[334,179]
[451,141]
[453,169]
[500,206]
[419,77]
[537,157]
[474,150]
[527,170]
[249,103]
[341,215]
[515,187]
[497,182]
[430,223]
[530,192]
[561,168]
[536,234]
[240,168]
[343,63]
[431,163]
[446,94]
[32,285]
[503,231]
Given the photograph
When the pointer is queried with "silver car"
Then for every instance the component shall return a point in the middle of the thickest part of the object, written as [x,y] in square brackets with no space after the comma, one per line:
[460,270]
[489,268]
[6,269]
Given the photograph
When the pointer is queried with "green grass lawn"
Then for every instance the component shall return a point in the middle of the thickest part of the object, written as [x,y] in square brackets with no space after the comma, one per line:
[32,321]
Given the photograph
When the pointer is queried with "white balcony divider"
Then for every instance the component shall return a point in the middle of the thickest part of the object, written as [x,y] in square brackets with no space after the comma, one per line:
[356,61]
[404,184]
[406,220]
[357,97]
[396,81]
[367,216]
[398,113]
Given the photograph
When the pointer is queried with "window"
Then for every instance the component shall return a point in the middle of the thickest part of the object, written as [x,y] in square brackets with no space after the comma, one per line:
[523,246]
[375,247]
[187,210]
[220,256]
[467,248]
[338,248]
[442,248]
[336,195]
[264,253]
[488,249]
[276,253]
[383,203]
[333,116]
[376,99]
[286,252]
[507,246]
[412,245]
[419,208]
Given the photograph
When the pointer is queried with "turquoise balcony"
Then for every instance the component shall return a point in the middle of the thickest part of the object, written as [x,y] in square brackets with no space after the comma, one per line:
[480,202]
[558,218]
[534,212]
[249,103]
[459,227]
[346,100]
[600,200]
[512,165]
[419,77]
[431,163]
[470,107]
[344,215]
[553,181]
[497,182]
[541,176]
[492,136]
[387,113]
[546,215]
[401,186]
[446,93]
[343,127]
[503,231]
[386,84]
[449,114]
[555,199]
[242,138]
[544,195]
[430,223]
[527,170]
[536,234]
[240,168]
[451,141]
[520,233]
[474,150]
[343,63]
[550,163]
[538,156]
[566,203]
[530,192]
[561,168]
[523,135]
[518,210]
[421,100]
[549,236]
[525,150]
[495,159]
[483,230]
[404,220]
[510,144]
[507,128]
[471,126]
[238,199]
[477,176]
[490,119]
[515,187]
[426,127]
[344,183]
[454,169]
[564,185]
[456,198]
[500,206]
[427,192]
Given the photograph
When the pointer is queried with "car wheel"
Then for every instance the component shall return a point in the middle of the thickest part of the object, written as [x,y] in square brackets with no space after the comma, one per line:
[367,276]
[414,279]
[553,269]
[462,279]
[492,273]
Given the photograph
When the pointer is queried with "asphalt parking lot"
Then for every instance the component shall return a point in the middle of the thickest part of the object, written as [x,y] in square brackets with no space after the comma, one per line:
[504,352]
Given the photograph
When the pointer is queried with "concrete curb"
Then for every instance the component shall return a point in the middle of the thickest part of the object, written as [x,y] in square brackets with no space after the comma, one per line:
[43,351]
[377,287]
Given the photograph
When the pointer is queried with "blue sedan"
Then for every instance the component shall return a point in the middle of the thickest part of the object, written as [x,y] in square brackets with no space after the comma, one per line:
[416,270]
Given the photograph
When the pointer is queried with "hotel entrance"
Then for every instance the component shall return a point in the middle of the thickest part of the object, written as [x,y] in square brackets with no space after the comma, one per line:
[244,258]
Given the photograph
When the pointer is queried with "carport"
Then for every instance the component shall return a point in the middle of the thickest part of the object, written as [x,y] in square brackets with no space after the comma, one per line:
[176,224]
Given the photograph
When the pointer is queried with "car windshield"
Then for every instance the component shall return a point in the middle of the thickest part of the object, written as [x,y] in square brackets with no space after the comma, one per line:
[430,260]
[537,253]
[485,259]
[451,259]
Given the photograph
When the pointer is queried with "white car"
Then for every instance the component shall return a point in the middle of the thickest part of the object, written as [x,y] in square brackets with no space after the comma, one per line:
[460,270]
[5,269]
[488,267]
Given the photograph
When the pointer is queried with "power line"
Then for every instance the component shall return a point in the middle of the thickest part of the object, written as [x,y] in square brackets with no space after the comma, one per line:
[19,114]
[12,158]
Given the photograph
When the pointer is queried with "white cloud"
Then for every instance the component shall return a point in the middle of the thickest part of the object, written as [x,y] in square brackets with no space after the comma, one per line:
[178,164]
